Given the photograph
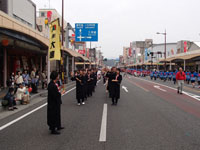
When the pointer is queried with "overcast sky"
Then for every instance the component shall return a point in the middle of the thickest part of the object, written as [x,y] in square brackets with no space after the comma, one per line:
[123,21]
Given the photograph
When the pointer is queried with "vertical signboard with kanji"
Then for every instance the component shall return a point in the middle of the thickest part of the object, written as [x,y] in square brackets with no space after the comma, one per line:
[54,42]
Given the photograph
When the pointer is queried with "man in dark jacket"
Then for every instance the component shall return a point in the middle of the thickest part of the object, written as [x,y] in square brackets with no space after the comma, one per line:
[54,105]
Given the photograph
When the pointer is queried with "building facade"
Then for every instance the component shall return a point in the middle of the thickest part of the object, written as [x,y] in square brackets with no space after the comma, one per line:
[22,10]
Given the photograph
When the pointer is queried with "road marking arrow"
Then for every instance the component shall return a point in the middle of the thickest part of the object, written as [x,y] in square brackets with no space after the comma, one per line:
[125,88]
[158,87]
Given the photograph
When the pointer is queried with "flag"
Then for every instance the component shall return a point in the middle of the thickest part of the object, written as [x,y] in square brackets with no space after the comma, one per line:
[54,41]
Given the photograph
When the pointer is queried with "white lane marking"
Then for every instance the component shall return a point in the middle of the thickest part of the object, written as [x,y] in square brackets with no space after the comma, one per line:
[186,93]
[102,137]
[69,91]
[125,88]
[27,114]
[158,87]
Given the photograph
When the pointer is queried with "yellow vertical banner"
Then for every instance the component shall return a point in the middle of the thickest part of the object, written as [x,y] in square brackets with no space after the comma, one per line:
[54,41]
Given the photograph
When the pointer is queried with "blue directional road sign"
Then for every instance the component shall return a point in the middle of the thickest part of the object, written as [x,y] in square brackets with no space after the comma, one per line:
[86,32]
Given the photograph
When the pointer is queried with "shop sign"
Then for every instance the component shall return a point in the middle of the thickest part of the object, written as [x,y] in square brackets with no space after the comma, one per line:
[54,43]
[81,52]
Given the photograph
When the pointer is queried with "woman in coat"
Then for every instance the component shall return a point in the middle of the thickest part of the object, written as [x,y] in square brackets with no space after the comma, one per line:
[54,105]
[115,90]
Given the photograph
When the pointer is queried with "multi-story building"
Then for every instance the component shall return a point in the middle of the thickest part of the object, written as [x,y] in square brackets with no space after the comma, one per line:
[99,58]
[45,17]
[22,10]
[125,54]
[185,46]
[138,50]
[121,60]
[158,51]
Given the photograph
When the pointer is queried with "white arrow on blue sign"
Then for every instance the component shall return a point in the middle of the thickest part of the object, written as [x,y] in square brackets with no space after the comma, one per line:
[86,32]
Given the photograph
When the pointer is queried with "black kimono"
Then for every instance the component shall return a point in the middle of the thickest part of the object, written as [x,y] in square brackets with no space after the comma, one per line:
[79,87]
[110,76]
[89,85]
[115,90]
[93,82]
[85,86]
[53,106]
[95,79]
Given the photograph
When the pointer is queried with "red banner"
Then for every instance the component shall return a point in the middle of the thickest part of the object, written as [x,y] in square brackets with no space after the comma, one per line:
[185,46]
[130,52]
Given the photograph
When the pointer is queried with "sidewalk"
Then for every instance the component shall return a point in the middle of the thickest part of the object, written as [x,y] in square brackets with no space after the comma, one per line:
[34,99]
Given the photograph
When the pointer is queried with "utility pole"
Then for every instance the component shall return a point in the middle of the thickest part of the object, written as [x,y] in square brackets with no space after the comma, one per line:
[62,59]
[165,50]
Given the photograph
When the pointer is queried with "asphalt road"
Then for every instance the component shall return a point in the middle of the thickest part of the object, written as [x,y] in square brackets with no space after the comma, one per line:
[149,116]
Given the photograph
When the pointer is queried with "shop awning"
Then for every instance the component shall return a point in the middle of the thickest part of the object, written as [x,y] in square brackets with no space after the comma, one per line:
[8,23]
[86,63]
[183,56]
[75,54]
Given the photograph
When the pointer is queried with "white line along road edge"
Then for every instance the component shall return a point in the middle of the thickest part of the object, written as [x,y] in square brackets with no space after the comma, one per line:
[158,87]
[27,114]
[102,137]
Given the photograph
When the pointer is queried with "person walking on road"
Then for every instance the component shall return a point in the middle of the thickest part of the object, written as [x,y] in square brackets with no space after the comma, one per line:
[115,91]
[54,105]
[79,78]
[180,77]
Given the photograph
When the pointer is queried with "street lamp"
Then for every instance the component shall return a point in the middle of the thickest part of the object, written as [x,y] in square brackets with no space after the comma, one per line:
[165,34]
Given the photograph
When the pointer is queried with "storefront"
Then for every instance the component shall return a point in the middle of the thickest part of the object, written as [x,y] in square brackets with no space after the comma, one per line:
[19,52]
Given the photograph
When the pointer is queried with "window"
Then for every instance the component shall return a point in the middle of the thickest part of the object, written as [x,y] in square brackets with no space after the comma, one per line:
[42,14]
[40,28]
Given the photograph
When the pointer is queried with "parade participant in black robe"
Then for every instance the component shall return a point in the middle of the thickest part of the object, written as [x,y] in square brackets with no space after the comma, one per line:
[54,105]
[95,77]
[79,87]
[93,80]
[85,85]
[111,76]
[115,91]
[89,83]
